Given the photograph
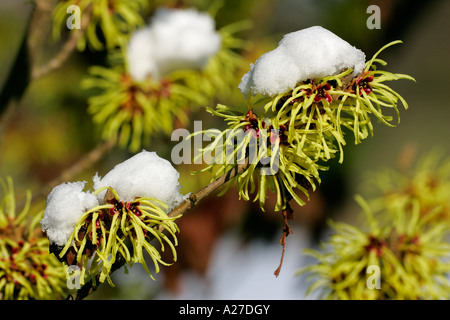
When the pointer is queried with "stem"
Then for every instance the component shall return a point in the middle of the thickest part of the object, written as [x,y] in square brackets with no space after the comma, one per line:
[288,214]
[23,72]
[210,188]
[66,49]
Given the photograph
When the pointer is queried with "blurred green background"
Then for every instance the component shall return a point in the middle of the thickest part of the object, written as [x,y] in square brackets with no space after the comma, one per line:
[51,130]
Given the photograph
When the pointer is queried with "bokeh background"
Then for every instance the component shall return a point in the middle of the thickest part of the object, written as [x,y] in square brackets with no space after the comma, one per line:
[228,248]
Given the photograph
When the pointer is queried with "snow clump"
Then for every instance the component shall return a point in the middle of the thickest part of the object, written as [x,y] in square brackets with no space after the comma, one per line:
[143,175]
[306,54]
[65,204]
[175,39]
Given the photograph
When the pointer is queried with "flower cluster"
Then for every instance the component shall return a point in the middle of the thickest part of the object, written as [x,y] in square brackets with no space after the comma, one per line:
[404,238]
[115,225]
[134,99]
[115,18]
[104,234]
[27,270]
[305,127]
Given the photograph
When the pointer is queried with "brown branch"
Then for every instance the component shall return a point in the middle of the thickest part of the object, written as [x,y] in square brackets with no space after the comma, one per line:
[210,188]
[66,50]
[24,70]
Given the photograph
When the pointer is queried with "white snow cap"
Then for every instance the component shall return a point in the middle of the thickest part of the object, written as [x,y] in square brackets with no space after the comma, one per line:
[306,54]
[65,204]
[175,39]
[143,175]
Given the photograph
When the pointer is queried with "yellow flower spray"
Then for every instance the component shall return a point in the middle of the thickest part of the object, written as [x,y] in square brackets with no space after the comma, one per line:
[27,269]
[304,128]
[403,246]
[119,231]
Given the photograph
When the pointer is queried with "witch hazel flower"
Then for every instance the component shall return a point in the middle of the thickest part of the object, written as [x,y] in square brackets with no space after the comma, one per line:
[117,222]
[310,90]
[405,234]
[27,270]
